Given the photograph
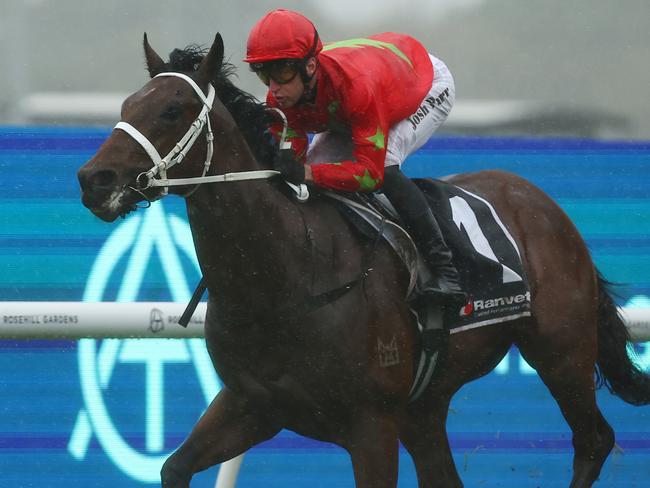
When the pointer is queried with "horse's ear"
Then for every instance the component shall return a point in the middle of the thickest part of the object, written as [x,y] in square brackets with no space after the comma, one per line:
[212,62]
[155,64]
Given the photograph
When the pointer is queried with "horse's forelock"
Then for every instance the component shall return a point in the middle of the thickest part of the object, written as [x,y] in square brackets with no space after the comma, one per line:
[188,60]
[249,114]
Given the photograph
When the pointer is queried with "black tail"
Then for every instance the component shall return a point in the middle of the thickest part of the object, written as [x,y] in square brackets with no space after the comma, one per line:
[614,369]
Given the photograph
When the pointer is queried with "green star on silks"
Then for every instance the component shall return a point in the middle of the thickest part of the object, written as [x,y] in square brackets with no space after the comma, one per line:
[366,182]
[333,107]
[378,139]
[291,133]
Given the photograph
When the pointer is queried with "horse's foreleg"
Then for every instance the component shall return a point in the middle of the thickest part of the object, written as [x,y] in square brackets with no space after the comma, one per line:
[229,427]
[373,447]
[424,435]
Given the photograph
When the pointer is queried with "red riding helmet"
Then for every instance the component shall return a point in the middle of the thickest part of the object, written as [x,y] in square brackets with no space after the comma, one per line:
[282,34]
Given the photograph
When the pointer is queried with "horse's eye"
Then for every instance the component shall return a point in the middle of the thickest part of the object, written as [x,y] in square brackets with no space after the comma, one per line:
[171,113]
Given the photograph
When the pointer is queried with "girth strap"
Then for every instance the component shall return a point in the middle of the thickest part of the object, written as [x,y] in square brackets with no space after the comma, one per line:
[305,307]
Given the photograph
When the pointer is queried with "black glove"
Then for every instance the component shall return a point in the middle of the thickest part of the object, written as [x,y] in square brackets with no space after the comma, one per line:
[285,162]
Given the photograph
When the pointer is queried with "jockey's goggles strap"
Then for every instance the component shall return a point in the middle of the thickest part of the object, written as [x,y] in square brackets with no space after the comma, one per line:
[314,44]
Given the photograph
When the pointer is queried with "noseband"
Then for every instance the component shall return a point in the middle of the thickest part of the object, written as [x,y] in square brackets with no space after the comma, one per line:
[157,175]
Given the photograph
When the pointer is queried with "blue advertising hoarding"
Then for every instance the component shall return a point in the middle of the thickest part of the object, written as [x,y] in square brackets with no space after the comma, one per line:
[100,413]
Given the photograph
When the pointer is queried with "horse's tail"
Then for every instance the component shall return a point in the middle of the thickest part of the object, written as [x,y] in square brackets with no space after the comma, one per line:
[615,369]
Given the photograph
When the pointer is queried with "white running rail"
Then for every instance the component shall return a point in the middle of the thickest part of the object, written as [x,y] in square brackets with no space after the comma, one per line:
[77,320]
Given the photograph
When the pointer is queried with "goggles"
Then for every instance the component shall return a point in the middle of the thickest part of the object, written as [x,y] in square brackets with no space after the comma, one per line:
[282,71]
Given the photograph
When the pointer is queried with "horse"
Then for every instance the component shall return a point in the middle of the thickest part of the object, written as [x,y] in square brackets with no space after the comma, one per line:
[299,299]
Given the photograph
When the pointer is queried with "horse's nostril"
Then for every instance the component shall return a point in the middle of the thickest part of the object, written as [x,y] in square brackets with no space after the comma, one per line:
[105,178]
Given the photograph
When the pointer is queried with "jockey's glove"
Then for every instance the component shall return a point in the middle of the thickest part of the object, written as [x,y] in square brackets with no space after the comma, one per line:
[285,162]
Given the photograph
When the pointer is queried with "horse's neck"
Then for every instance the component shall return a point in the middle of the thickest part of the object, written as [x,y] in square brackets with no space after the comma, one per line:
[250,238]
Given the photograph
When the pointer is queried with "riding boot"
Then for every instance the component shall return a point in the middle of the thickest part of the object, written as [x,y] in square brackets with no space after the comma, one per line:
[412,207]
[445,282]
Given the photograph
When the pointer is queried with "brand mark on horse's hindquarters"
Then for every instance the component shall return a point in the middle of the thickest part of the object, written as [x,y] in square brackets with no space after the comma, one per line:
[388,353]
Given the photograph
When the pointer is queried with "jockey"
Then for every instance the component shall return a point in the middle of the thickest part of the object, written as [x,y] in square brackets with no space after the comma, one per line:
[386,91]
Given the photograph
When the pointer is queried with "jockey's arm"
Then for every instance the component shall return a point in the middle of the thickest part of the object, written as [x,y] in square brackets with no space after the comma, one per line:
[365,171]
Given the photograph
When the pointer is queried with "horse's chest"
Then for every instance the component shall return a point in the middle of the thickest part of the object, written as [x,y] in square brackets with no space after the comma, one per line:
[247,348]
[278,365]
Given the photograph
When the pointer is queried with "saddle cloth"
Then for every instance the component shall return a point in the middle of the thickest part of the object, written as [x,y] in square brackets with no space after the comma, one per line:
[484,252]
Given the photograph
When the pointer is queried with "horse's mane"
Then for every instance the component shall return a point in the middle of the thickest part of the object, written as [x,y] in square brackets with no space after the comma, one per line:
[250,114]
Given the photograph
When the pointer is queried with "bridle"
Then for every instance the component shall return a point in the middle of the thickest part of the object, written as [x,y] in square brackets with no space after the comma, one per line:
[157,175]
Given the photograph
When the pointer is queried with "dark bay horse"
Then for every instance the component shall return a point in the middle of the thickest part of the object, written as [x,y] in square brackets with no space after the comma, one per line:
[316,369]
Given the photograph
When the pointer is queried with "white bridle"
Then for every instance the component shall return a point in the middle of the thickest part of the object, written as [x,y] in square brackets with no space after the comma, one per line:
[148,179]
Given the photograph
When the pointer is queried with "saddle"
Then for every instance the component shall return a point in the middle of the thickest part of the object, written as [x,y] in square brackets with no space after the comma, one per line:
[484,253]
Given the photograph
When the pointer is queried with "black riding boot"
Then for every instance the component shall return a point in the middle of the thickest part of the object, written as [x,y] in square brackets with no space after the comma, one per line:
[412,207]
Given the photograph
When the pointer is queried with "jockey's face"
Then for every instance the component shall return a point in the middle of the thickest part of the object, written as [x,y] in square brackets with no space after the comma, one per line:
[288,93]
